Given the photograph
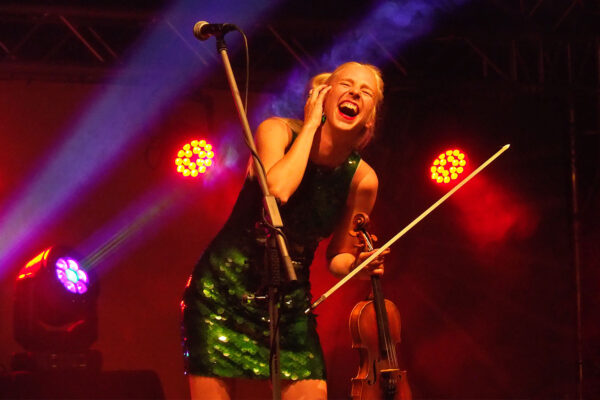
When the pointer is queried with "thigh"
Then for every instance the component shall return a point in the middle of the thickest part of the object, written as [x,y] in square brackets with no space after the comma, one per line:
[306,389]
[202,387]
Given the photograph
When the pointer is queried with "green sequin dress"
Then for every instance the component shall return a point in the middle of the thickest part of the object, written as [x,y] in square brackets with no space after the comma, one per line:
[224,337]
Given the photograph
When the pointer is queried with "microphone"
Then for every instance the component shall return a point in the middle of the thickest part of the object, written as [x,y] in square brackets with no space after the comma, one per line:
[203,30]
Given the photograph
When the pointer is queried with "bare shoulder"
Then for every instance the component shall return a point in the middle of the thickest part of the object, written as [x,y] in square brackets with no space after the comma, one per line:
[273,136]
[274,129]
[365,178]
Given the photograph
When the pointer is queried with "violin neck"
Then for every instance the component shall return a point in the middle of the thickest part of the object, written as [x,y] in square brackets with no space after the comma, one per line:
[385,341]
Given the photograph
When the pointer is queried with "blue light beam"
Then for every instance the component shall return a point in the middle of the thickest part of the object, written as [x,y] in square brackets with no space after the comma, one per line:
[392,24]
[156,72]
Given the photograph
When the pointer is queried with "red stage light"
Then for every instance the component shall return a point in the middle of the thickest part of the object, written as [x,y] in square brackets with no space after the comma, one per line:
[448,166]
[194,158]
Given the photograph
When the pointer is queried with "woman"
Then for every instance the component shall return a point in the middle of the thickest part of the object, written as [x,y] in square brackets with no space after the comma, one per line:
[313,168]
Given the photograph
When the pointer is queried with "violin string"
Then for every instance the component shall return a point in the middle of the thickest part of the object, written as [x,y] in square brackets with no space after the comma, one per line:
[389,346]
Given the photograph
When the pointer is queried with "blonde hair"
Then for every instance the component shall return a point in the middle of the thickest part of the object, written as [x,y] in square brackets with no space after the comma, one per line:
[327,77]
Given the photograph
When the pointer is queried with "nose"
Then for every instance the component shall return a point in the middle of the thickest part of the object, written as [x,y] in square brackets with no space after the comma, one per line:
[354,93]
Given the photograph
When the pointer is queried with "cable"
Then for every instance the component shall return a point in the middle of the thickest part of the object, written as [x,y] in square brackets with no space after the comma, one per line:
[246,90]
[273,343]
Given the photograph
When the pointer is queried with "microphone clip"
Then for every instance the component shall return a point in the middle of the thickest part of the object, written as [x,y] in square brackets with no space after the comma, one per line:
[203,30]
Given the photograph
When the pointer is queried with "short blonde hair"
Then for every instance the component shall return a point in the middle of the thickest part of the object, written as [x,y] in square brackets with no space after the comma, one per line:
[326,77]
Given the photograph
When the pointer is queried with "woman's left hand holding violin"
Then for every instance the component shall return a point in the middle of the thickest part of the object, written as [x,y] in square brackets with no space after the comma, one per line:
[375,267]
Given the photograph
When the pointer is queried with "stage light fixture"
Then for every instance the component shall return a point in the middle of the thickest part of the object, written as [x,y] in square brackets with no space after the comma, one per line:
[194,158]
[448,166]
[55,307]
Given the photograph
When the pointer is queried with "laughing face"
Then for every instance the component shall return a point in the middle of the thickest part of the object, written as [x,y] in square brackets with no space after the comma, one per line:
[351,102]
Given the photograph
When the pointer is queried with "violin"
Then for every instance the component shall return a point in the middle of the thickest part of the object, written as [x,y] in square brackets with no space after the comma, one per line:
[375,331]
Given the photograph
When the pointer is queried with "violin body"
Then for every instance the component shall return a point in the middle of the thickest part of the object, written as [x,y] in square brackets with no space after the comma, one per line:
[377,377]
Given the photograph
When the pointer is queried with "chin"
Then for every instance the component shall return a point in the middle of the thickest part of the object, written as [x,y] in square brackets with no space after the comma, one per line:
[345,124]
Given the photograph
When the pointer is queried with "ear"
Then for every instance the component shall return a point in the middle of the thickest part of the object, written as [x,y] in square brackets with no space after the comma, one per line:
[371,122]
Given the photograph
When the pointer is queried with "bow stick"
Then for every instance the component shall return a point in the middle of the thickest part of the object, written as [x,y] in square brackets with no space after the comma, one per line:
[406,229]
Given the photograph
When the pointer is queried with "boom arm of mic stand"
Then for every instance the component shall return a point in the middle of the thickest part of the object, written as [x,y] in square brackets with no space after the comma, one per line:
[269,201]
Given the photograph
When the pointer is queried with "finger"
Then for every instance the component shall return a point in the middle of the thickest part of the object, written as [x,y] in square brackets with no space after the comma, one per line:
[382,254]
[323,92]
[314,92]
[379,258]
[375,263]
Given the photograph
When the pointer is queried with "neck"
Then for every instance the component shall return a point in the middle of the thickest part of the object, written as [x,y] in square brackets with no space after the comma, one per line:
[331,147]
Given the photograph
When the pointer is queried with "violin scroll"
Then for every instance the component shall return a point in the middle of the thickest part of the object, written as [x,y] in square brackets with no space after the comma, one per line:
[361,221]
[360,224]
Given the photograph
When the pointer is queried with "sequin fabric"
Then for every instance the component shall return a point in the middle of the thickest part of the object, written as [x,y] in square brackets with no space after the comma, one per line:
[224,336]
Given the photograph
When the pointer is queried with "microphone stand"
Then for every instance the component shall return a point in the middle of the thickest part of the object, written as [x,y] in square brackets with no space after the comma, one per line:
[275,240]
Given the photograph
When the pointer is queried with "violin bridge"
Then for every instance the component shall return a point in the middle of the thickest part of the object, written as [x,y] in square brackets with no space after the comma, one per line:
[389,370]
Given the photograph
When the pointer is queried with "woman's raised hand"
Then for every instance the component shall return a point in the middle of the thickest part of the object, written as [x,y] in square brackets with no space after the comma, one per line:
[313,110]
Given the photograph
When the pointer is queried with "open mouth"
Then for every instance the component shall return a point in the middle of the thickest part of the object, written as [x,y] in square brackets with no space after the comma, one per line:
[348,109]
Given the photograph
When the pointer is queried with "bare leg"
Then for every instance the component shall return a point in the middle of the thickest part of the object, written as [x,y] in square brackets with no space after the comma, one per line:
[309,389]
[202,387]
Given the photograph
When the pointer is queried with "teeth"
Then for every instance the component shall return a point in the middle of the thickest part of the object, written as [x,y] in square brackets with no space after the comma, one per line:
[349,108]
[349,105]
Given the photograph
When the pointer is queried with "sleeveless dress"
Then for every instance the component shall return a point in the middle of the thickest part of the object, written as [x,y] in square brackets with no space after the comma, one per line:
[225,337]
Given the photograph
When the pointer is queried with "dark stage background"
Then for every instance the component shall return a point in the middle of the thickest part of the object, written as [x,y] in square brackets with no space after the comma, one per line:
[485,284]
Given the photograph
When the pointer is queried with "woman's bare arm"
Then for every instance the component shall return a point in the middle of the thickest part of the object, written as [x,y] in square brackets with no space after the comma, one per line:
[285,169]
[342,252]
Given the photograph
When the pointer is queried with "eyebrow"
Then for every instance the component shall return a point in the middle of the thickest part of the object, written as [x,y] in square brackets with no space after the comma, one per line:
[364,85]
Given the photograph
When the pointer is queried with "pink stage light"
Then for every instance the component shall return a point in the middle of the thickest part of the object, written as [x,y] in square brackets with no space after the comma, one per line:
[73,278]
[194,158]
